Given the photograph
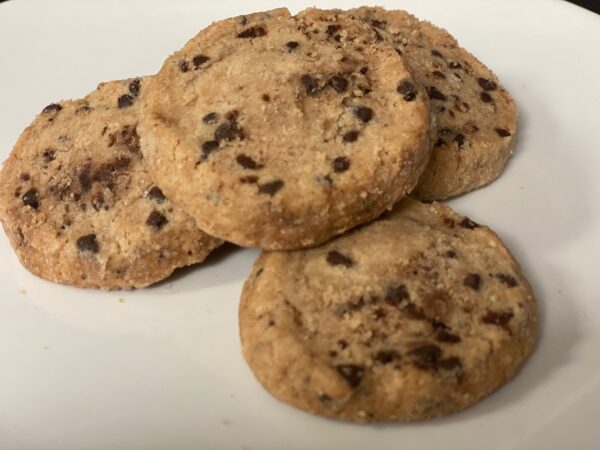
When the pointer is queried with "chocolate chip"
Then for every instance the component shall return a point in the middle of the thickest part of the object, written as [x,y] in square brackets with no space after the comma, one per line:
[381,24]
[473,280]
[210,118]
[198,60]
[485,97]
[450,364]
[350,136]
[246,162]
[156,194]
[85,178]
[156,220]
[500,319]
[332,30]
[460,140]
[502,132]
[208,147]
[271,187]
[125,101]
[468,223]
[88,243]
[450,254]
[266,98]
[435,94]
[229,130]
[52,107]
[324,398]
[395,295]
[454,65]
[378,313]
[434,52]
[426,356]
[291,46]
[385,356]
[30,198]
[438,74]
[352,373]
[24,177]
[49,155]
[134,87]
[340,164]
[183,66]
[335,258]
[507,279]
[487,85]
[443,335]
[439,143]
[398,51]
[249,179]
[252,32]
[311,85]
[363,113]
[407,90]
[338,83]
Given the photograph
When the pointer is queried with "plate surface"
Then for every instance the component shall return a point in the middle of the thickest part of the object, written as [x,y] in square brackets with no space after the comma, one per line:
[161,367]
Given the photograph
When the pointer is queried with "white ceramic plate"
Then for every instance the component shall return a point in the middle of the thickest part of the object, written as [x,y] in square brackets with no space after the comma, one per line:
[161,367]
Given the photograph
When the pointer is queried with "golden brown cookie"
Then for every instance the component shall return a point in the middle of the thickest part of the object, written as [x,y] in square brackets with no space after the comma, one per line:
[474,118]
[419,314]
[281,132]
[79,206]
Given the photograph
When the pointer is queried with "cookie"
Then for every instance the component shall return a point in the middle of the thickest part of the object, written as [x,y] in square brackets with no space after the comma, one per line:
[78,204]
[281,132]
[416,315]
[475,119]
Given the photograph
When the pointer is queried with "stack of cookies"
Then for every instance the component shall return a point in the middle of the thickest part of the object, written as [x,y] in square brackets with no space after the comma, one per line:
[315,137]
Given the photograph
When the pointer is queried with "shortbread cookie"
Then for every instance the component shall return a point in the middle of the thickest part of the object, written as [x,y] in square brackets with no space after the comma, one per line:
[281,132]
[475,119]
[418,314]
[77,202]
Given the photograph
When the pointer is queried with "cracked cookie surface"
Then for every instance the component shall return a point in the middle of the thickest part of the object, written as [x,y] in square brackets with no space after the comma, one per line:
[416,315]
[474,118]
[281,132]
[78,204]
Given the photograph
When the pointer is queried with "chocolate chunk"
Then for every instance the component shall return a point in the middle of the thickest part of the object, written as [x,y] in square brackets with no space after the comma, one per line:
[350,136]
[340,164]
[88,243]
[266,98]
[352,373]
[198,60]
[500,319]
[271,187]
[30,198]
[435,94]
[125,101]
[507,279]
[434,52]
[385,356]
[439,143]
[208,147]
[426,356]
[246,162]
[49,155]
[443,335]
[485,97]
[407,90]
[134,87]
[460,140]
[468,223]
[291,46]
[338,83]
[438,74]
[473,280]
[156,194]
[52,107]
[332,30]
[454,65]
[363,113]
[335,258]
[487,85]
[395,295]
[311,85]
[249,179]
[210,118]
[502,132]
[156,220]
[183,66]
[252,32]
[450,254]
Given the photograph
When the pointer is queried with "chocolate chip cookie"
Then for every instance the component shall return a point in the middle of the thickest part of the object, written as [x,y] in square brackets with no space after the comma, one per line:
[78,205]
[281,132]
[418,314]
[474,119]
